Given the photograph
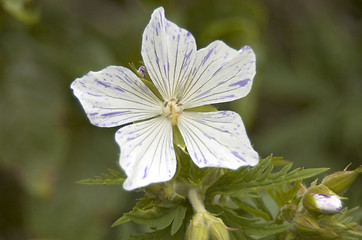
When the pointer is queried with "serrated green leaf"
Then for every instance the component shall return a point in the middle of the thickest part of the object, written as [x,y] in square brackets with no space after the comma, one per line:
[248,208]
[114,178]
[265,175]
[283,197]
[275,180]
[178,220]
[252,226]
[249,180]
[264,229]
[241,221]
[206,108]
[120,221]
[158,217]
[284,170]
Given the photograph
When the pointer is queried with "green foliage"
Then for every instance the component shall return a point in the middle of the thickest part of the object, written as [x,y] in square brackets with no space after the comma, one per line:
[233,196]
[166,218]
[113,178]
[159,217]
[248,225]
[249,180]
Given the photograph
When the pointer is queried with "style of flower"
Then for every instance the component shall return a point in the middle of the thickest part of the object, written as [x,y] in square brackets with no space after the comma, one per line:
[185,78]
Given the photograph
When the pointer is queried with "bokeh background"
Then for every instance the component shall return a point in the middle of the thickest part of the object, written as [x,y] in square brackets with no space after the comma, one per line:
[305,105]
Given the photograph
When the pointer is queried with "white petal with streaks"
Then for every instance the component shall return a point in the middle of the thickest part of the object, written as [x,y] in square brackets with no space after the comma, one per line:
[219,74]
[147,153]
[168,52]
[217,139]
[115,96]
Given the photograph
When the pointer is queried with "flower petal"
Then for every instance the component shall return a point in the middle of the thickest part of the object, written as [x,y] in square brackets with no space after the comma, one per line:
[217,139]
[115,96]
[219,74]
[147,153]
[168,52]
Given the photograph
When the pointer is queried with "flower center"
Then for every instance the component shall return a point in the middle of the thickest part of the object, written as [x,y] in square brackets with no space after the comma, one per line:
[172,109]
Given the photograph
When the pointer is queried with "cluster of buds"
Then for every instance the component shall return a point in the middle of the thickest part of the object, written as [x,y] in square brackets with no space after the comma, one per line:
[324,198]
[322,203]
[205,226]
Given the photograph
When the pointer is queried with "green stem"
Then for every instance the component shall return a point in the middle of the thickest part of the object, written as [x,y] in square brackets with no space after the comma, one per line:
[196,200]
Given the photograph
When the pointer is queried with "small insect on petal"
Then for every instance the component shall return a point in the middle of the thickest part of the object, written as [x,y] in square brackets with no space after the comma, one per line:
[142,71]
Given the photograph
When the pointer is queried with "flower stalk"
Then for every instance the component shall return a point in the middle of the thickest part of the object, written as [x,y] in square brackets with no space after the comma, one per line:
[215,226]
[196,200]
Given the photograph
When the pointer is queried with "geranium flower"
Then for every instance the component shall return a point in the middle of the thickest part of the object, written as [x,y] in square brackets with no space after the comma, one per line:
[185,78]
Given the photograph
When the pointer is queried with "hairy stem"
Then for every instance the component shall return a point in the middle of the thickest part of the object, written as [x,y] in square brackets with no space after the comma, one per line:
[196,200]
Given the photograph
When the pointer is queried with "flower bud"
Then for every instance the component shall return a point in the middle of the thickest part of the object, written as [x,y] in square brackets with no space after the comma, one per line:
[287,212]
[319,199]
[340,181]
[168,191]
[217,228]
[197,229]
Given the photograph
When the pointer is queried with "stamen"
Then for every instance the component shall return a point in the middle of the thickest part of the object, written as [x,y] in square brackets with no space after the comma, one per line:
[172,109]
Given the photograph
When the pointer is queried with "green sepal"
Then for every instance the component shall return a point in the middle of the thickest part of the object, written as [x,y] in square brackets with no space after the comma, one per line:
[206,108]
[113,178]
[340,181]
[152,87]
[178,140]
[147,82]
[120,221]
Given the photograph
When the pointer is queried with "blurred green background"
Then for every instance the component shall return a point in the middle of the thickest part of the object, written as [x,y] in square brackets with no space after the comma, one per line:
[306,103]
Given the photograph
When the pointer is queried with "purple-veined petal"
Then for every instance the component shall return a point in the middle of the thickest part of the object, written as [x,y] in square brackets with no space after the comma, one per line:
[219,74]
[168,52]
[217,139]
[115,96]
[328,204]
[147,153]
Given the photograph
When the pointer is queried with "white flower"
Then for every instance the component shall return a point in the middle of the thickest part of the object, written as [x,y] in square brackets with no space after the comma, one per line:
[186,78]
